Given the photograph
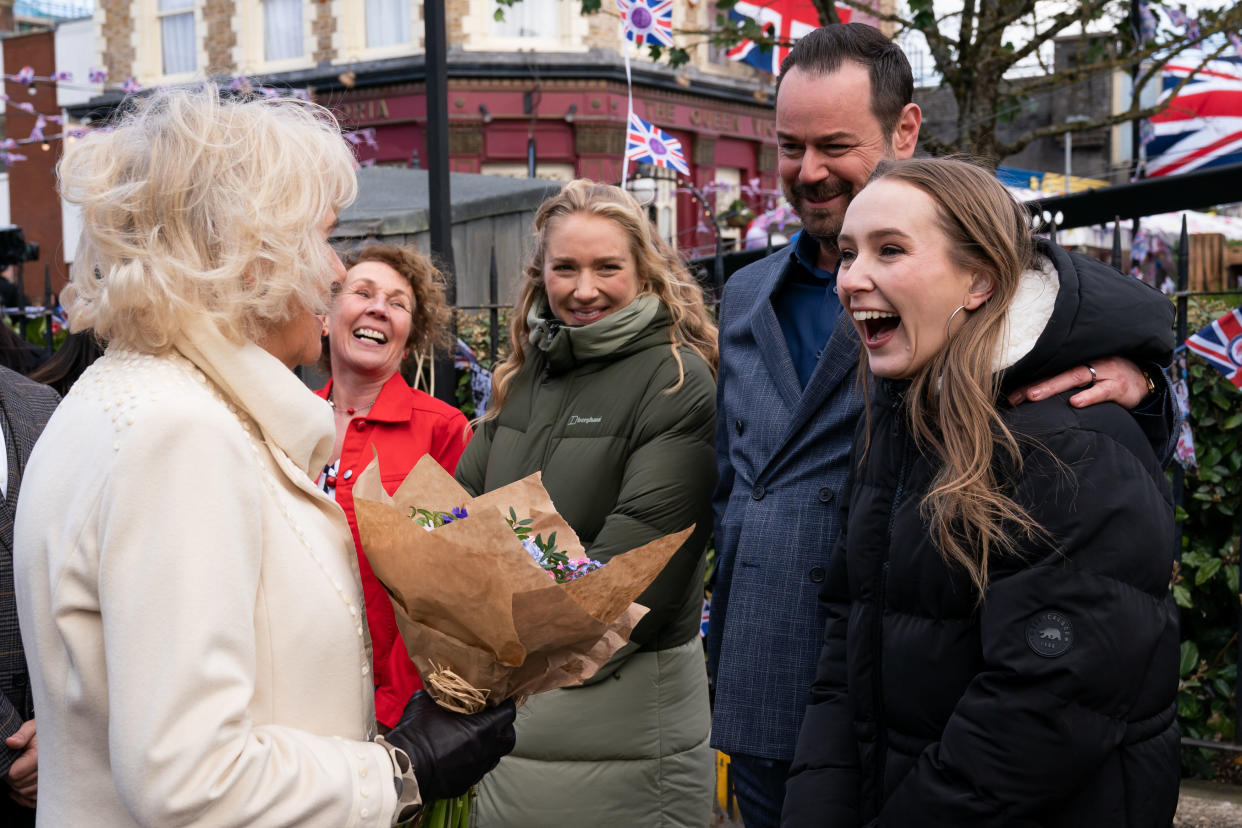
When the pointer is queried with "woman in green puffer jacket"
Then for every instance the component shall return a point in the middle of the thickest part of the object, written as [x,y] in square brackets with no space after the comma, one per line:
[610,392]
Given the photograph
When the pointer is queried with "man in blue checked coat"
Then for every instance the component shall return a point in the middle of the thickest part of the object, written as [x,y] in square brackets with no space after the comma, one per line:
[788,401]
[25,407]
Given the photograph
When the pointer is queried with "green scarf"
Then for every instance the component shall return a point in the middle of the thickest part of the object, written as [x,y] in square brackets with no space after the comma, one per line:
[602,338]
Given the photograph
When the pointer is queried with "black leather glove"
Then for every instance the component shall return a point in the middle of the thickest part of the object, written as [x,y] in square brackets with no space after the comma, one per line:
[450,751]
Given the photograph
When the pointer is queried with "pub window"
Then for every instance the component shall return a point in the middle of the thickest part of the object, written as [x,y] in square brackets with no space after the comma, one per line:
[530,18]
[282,29]
[728,190]
[388,22]
[177,36]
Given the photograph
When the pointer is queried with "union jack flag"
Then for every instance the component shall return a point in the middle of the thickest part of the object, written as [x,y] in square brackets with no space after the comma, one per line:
[1202,125]
[784,20]
[648,144]
[647,20]
[1221,344]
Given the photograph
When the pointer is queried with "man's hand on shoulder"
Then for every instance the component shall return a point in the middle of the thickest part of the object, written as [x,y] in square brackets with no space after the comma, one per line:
[1115,379]
[23,776]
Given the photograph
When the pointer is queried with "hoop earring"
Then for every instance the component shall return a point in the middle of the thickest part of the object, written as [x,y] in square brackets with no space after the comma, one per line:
[960,308]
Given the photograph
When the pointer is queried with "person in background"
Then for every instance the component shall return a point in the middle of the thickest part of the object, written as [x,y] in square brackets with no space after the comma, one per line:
[608,391]
[25,407]
[11,295]
[1002,642]
[188,598]
[75,355]
[788,404]
[17,354]
[389,305]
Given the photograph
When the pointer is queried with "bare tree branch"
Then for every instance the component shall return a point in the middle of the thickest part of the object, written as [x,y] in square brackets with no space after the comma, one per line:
[1131,114]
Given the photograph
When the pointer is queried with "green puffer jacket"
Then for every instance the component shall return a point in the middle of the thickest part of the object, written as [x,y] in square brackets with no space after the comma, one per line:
[625,462]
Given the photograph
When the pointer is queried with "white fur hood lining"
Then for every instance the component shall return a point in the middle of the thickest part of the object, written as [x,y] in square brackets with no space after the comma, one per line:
[1029,312]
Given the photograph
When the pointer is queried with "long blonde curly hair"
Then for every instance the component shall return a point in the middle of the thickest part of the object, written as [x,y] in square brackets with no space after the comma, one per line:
[661,273]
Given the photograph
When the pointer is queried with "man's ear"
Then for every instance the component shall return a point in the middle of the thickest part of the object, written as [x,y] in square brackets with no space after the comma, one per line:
[906,132]
[981,288]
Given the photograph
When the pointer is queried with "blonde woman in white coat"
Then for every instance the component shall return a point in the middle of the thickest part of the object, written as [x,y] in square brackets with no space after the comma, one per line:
[189,600]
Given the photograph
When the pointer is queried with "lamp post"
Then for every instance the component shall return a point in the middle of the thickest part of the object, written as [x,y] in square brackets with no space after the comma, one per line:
[440,200]
[1069,145]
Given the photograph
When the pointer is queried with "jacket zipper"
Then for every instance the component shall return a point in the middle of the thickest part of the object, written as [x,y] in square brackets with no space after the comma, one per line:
[881,751]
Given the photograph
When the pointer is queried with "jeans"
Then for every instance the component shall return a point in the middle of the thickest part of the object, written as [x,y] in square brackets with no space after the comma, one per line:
[759,786]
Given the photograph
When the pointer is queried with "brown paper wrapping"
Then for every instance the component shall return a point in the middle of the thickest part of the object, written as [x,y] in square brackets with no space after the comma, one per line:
[468,597]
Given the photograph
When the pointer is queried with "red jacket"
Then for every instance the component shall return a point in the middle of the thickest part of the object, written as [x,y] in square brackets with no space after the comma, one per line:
[402,425]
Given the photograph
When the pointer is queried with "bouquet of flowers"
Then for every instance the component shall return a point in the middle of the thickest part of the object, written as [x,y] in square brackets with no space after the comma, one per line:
[555,562]
[480,617]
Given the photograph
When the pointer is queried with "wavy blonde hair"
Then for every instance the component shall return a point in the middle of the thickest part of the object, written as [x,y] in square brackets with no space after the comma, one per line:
[198,205]
[661,273]
[952,400]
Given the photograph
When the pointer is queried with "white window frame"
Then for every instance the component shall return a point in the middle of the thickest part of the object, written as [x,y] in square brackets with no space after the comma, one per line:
[165,15]
[250,54]
[477,26]
[729,180]
[149,68]
[351,18]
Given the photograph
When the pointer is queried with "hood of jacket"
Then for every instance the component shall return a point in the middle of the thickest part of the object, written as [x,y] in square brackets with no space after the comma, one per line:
[640,324]
[1070,309]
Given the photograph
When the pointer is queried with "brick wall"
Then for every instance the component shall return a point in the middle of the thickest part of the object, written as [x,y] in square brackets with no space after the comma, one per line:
[455,14]
[221,39]
[322,27]
[118,38]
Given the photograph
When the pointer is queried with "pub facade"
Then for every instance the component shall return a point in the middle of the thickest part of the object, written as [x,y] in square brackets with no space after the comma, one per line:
[543,91]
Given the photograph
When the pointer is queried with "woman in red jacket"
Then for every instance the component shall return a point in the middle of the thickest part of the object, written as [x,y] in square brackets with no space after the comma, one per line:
[390,305]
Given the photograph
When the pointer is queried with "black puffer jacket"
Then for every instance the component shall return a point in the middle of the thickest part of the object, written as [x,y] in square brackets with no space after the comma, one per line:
[1051,702]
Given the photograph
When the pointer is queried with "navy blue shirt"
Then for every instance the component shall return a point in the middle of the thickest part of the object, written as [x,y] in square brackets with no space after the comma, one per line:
[806,305]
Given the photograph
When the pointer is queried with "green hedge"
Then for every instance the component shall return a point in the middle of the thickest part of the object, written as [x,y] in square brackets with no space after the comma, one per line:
[1206,582]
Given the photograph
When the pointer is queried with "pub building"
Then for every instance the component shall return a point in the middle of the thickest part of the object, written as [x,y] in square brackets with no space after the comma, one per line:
[540,89]
[567,119]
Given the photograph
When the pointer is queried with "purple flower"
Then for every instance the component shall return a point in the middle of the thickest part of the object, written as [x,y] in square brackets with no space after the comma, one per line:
[534,551]
[459,512]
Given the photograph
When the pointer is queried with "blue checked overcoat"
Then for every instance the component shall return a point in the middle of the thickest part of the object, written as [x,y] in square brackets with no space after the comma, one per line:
[25,407]
[783,455]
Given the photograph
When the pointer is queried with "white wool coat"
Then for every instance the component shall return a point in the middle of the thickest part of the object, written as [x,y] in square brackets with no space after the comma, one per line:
[190,602]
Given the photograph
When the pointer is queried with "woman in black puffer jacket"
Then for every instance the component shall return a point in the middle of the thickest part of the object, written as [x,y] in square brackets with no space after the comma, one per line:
[1002,644]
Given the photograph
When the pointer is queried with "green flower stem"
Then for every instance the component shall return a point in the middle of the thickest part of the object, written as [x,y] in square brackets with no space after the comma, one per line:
[448,813]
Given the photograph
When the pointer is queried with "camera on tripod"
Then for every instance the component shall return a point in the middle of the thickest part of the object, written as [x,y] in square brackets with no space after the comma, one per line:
[14,249]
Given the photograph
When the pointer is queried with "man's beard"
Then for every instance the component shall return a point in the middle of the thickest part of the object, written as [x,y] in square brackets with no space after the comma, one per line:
[822,225]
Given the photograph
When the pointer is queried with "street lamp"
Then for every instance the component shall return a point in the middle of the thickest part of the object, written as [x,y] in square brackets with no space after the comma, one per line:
[1069,143]
[643,189]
